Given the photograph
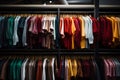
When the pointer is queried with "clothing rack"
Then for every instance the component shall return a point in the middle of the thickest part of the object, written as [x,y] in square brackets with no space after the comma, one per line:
[95,9]
[56,9]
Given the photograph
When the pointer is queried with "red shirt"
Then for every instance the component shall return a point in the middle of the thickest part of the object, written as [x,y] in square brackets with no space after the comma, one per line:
[96,31]
[77,36]
[67,40]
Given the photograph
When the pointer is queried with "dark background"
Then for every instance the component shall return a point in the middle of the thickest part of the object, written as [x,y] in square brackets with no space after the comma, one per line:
[109,2]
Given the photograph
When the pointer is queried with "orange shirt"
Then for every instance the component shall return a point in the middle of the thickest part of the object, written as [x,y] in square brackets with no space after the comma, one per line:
[115,28]
[73,32]
[83,42]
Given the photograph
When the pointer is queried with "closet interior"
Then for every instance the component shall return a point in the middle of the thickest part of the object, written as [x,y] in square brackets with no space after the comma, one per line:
[60,42]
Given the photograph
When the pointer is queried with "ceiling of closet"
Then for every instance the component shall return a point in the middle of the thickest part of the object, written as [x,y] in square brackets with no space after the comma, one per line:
[110,2]
[46,1]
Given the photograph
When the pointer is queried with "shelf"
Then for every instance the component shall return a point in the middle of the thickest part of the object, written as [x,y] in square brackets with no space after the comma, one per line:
[45,52]
[56,51]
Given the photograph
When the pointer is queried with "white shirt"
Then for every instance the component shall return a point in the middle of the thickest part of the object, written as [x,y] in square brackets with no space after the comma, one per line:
[90,30]
[44,71]
[86,29]
[52,25]
[54,28]
[15,35]
[23,70]
[24,38]
[44,19]
[53,74]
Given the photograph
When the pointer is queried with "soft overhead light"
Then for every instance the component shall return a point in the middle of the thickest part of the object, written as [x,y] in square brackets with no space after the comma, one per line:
[50,2]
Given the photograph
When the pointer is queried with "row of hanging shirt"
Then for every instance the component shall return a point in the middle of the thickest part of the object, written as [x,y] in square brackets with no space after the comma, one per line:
[37,68]
[31,31]
[110,68]
[110,32]
[74,31]
[27,69]
[42,31]
[78,31]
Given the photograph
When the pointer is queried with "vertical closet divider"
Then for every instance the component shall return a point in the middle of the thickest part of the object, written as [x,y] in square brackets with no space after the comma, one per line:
[58,55]
[96,15]
[96,49]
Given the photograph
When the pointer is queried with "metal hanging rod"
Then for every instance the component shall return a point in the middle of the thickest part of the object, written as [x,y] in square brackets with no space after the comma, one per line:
[49,6]
[59,6]
[103,12]
[76,12]
[28,12]
[109,6]
[47,12]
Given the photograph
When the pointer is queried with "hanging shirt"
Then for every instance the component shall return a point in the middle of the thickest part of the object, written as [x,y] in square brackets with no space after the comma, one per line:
[96,31]
[86,30]
[49,70]
[66,69]
[3,71]
[117,68]
[74,68]
[62,27]
[23,70]
[73,32]
[39,70]
[14,69]
[79,69]
[111,67]
[1,30]
[115,27]
[53,68]
[63,69]
[86,69]
[44,69]
[118,24]
[91,38]
[15,35]
[83,42]
[24,36]
[70,71]
[18,70]
[32,25]
[36,25]
[77,35]
[107,70]
[4,26]
[103,30]
[20,31]
[54,25]
[10,30]
[32,69]
[68,33]
[109,33]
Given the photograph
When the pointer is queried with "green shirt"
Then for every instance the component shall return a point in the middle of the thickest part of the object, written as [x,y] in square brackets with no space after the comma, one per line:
[10,30]
[18,71]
